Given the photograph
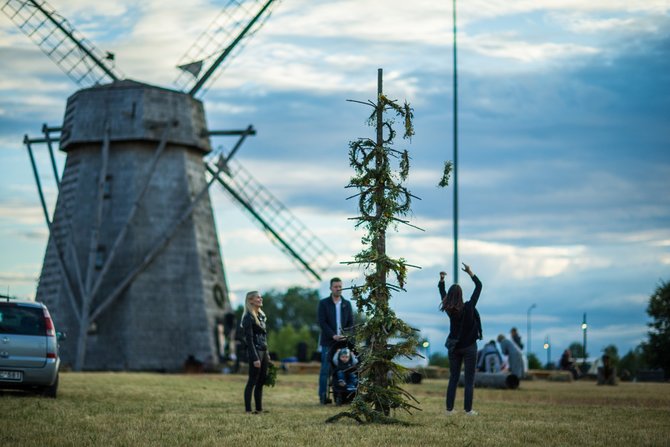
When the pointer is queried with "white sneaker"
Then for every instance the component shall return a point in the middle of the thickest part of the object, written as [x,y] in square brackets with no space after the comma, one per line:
[451,412]
[471,413]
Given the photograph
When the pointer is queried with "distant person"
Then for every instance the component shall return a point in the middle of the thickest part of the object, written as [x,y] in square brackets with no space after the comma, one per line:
[516,338]
[465,329]
[514,356]
[606,372]
[255,338]
[335,315]
[491,360]
[567,363]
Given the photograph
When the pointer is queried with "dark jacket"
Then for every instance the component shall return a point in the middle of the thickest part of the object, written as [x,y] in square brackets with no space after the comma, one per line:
[254,336]
[327,322]
[468,318]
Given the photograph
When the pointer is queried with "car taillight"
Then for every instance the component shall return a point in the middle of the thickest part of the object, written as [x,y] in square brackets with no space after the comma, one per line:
[49,324]
[51,355]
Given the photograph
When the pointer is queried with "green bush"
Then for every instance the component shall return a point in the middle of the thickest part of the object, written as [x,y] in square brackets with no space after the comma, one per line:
[439,359]
[285,341]
[534,362]
[631,363]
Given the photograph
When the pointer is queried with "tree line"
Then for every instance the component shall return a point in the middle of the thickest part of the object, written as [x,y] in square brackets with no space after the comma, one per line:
[651,354]
[293,321]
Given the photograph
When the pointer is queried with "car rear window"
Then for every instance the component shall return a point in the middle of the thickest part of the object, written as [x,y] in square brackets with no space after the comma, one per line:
[21,320]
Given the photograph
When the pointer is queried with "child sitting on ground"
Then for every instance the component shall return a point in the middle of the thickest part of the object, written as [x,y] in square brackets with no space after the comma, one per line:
[345,369]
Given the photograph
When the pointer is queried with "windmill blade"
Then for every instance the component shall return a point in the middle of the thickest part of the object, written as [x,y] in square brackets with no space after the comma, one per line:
[300,244]
[225,37]
[57,38]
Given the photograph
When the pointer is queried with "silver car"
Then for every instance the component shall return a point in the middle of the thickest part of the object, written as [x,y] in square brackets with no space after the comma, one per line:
[28,347]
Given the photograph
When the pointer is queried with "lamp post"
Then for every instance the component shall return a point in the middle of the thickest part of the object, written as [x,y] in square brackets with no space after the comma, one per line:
[547,347]
[426,346]
[533,306]
[584,327]
[455,79]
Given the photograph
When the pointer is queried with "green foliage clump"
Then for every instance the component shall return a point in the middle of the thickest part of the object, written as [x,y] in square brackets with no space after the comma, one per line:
[439,359]
[577,350]
[271,377]
[285,341]
[446,174]
[631,363]
[613,353]
[534,362]
[657,348]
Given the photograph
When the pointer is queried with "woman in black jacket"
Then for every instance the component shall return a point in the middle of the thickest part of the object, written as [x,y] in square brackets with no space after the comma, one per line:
[465,330]
[255,337]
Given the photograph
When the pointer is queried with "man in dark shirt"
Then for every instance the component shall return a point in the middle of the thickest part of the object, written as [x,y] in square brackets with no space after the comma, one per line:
[335,316]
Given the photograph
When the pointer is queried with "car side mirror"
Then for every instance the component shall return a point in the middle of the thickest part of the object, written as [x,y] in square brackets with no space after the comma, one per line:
[60,336]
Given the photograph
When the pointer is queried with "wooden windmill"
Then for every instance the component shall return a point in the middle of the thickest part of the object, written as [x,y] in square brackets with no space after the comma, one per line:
[133,270]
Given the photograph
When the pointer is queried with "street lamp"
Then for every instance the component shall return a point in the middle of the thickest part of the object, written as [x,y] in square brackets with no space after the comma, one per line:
[547,347]
[426,346]
[584,327]
[533,306]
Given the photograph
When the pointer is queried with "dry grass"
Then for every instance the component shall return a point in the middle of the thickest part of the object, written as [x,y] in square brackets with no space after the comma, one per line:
[123,409]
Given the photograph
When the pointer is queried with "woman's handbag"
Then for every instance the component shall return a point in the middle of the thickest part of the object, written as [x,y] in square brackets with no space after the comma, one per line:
[451,343]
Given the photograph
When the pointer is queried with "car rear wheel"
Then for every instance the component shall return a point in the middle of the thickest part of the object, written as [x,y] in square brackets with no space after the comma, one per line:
[51,390]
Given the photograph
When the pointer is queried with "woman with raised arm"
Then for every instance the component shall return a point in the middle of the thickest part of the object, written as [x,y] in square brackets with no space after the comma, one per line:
[255,338]
[465,329]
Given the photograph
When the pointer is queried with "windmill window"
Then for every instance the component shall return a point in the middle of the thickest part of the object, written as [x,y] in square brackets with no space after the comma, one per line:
[219,299]
[100,257]
[212,258]
[107,191]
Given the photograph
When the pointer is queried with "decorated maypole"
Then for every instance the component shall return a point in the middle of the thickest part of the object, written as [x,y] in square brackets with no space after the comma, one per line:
[383,201]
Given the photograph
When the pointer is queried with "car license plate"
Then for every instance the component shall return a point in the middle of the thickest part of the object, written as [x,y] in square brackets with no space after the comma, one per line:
[14,376]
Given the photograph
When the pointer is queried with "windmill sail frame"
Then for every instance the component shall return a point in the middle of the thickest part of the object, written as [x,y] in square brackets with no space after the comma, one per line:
[61,42]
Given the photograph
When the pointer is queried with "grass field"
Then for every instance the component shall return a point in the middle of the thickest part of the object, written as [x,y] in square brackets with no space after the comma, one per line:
[125,409]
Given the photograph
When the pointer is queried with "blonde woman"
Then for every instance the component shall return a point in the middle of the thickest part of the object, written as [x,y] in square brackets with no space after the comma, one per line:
[255,337]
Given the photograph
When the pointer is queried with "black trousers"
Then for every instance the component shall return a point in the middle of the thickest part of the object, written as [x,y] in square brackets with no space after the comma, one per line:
[467,356]
[255,382]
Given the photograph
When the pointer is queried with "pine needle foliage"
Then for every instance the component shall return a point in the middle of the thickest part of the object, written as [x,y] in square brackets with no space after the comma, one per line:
[383,201]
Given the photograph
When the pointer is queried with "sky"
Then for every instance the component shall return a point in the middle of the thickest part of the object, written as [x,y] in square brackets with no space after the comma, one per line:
[564,147]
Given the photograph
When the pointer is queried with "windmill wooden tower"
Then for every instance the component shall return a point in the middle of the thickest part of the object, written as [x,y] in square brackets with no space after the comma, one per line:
[133,270]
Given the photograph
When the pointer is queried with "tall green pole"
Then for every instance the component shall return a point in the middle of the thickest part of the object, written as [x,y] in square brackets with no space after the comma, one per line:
[584,326]
[455,155]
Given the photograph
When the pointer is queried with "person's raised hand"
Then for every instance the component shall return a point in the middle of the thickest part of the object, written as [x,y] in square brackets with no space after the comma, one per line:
[466,269]
[442,275]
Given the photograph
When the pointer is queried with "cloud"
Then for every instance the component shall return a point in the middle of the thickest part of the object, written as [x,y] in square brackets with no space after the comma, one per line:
[480,9]
[506,47]
[17,278]
[21,214]
[18,281]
